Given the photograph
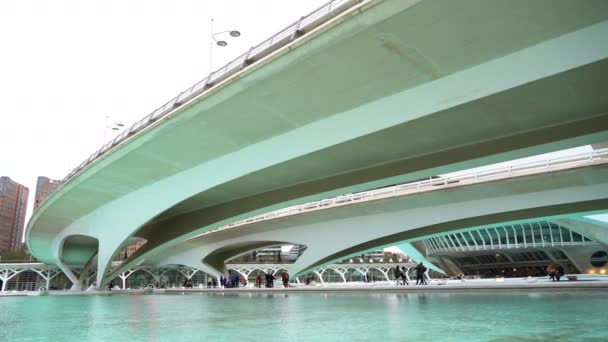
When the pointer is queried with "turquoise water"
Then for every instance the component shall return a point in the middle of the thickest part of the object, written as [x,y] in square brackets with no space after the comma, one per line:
[308,317]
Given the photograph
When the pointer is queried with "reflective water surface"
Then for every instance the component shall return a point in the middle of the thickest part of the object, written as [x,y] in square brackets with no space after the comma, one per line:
[574,316]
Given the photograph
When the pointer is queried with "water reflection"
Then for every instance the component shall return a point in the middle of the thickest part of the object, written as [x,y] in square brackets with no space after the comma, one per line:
[310,316]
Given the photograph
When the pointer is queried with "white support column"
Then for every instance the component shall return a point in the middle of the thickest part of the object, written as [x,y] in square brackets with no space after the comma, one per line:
[506,236]
[532,234]
[407,274]
[362,270]
[84,274]
[487,230]
[320,274]
[542,237]
[156,275]
[92,276]
[465,241]
[47,274]
[124,276]
[341,271]
[498,236]
[384,271]
[188,272]
[244,273]
[6,275]
[473,239]
[483,241]
[76,284]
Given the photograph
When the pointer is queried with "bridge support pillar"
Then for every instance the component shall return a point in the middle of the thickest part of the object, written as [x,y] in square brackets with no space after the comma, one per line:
[76,284]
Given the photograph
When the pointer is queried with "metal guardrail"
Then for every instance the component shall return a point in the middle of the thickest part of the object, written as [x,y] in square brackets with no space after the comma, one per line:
[284,37]
[597,156]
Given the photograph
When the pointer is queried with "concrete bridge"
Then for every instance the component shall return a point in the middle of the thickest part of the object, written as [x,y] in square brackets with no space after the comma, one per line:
[333,231]
[372,94]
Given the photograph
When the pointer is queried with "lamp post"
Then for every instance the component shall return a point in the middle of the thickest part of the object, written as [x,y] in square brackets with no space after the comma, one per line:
[220,43]
[115,126]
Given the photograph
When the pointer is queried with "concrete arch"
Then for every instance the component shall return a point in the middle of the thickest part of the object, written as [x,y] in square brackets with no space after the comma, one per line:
[218,257]
[390,240]
[281,269]
[342,232]
[77,250]
[211,257]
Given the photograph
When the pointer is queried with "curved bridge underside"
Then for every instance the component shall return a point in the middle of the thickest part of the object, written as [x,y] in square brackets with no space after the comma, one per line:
[387,95]
[334,234]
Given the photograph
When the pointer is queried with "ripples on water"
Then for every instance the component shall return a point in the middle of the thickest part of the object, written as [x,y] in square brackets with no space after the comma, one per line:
[553,316]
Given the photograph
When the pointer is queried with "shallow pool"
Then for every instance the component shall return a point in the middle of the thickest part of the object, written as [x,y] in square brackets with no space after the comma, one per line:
[482,316]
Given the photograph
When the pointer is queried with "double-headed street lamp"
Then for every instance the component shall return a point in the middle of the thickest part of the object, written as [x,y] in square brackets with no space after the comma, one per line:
[115,126]
[220,43]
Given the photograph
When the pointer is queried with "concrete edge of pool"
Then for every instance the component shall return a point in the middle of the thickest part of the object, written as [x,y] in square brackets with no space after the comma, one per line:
[557,286]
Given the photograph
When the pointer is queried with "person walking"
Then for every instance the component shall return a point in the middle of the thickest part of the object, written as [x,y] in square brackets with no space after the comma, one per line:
[420,269]
[258,281]
[559,272]
[269,280]
[397,274]
[285,279]
[404,275]
[551,272]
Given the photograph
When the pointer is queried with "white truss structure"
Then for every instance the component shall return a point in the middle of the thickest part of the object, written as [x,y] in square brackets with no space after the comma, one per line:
[48,272]
[508,236]
[341,269]
[8,271]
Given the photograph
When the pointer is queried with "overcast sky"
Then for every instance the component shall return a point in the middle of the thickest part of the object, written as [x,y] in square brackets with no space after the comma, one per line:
[65,65]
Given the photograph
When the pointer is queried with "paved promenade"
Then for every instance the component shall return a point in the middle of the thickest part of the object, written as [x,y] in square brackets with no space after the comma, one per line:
[452,286]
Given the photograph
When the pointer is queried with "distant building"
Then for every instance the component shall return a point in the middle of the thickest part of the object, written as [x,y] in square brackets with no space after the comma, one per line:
[44,187]
[13,204]
[130,249]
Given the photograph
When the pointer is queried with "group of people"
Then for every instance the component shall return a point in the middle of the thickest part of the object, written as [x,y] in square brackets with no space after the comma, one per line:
[400,274]
[555,272]
[188,284]
[232,282]
[269,280]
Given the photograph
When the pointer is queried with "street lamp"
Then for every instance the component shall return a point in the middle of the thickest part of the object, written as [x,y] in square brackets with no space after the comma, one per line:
[220,43]
[115,126]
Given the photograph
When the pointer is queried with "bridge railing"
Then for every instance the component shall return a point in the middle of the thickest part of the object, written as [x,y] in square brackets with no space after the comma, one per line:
[284,37]
[433,183]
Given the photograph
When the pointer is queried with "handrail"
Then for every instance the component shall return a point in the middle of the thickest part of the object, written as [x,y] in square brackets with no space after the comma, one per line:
[429,185]
[448,250]
[305,24]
